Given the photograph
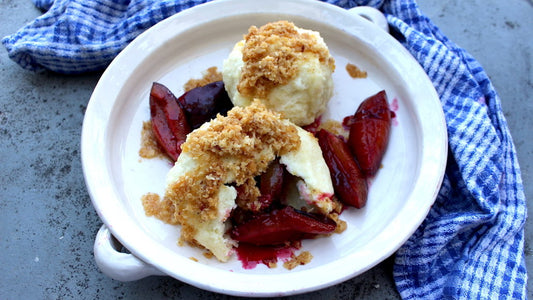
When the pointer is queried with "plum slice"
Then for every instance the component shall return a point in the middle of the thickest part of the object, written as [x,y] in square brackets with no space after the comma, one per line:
[203,103]
[169,123]
[369,132]
[348,181]
[281,225]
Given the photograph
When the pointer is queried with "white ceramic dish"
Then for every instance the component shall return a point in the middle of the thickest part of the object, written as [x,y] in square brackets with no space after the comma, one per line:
[185,45]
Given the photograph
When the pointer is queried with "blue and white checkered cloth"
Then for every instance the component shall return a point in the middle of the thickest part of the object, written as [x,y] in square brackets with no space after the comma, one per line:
[471,245]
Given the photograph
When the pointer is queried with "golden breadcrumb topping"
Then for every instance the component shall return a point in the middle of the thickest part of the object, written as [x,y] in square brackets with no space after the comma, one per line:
[302,259]
[237,148]
[270,55]
[355,72]
[149,146]
[341,224]
[210,75]
[208,254]
[248,194]
[161,209]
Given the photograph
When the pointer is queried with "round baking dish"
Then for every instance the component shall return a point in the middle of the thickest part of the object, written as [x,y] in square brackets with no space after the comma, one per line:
[182,47]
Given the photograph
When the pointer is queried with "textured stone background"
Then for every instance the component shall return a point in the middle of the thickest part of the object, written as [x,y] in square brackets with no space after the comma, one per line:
[48,224]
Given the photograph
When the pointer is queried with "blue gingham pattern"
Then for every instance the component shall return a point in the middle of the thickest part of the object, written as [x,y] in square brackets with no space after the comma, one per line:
[470,246]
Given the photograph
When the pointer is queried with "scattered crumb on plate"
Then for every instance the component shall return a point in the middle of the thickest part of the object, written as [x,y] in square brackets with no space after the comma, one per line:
[301,259]
[355,72]
[210,75]
[149,146]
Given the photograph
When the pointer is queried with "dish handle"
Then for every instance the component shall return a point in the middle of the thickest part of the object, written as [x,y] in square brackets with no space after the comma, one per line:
[371,14]
[116,264]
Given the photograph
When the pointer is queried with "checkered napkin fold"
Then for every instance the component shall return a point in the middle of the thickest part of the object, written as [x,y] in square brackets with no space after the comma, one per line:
[470,246]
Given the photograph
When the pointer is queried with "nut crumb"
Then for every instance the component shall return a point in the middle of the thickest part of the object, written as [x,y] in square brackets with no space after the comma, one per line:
[152,204]
[271,53]
[303,258]
[149,146]
[210,75]
[341,224]
[355,72]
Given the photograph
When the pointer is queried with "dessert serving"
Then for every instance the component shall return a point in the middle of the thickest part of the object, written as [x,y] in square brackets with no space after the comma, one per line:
[254,167]
[287,67]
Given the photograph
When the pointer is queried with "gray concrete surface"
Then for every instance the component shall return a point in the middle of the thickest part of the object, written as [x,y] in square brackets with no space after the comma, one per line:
[47,222]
